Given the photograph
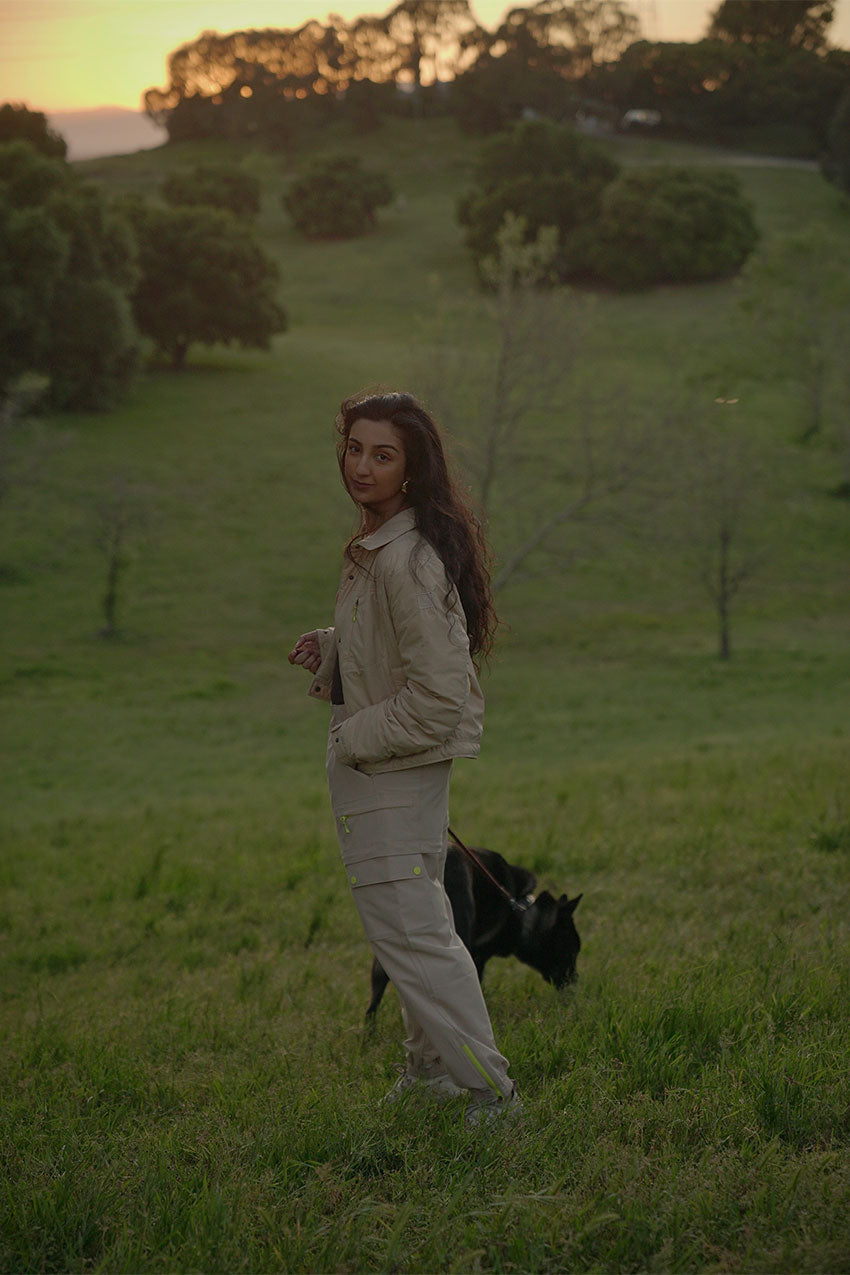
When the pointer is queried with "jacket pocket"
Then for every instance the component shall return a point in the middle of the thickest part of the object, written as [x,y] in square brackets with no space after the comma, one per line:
[354,792]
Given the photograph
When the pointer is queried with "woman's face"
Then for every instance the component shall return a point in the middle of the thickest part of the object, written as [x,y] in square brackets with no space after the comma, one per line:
[375,467]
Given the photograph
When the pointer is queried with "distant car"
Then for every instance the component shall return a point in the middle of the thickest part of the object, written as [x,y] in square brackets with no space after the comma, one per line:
[640,119]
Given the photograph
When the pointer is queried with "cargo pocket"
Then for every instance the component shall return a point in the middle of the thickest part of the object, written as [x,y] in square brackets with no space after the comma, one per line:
[392,893]
[376,825]
[391,867]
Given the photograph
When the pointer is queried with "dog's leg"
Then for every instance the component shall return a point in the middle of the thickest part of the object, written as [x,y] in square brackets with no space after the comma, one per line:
[379,986]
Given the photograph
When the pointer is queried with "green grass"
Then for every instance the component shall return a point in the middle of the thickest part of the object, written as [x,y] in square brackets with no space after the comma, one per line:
[184,1081]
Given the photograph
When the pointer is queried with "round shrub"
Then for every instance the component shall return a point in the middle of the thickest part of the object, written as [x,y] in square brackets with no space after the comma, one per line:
[336,198]
[543,172]
[669,225]
[215,185]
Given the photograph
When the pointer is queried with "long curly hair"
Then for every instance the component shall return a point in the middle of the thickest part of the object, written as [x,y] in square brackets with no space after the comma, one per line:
[444,516]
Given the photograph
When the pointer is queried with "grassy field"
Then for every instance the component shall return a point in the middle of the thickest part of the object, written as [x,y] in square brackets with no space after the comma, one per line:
[185,1084]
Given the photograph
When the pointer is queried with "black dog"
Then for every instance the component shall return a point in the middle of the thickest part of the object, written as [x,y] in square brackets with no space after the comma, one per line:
[543,934]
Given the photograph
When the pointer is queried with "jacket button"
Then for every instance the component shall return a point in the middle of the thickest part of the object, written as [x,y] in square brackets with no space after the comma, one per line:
[353,880]
[417,872]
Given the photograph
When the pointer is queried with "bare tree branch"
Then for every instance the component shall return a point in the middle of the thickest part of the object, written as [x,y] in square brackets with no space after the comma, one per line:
[122,514]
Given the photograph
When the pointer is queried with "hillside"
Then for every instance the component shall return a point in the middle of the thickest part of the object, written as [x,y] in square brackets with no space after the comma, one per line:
[186,1083]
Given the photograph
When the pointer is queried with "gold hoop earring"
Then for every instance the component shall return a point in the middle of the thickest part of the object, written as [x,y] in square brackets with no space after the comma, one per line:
[405,485]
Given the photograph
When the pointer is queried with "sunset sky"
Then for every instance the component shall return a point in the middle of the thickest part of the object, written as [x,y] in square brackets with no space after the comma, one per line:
[60,55]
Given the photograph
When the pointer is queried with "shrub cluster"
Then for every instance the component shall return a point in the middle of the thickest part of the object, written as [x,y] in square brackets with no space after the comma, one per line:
[336,198]
[625,229]
[82,279]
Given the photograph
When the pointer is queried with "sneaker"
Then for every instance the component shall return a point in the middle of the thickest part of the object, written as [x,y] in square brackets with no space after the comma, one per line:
[440,1087]
[487,1109]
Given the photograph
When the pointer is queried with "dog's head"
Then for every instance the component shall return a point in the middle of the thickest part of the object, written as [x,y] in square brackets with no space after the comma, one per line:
[550,941]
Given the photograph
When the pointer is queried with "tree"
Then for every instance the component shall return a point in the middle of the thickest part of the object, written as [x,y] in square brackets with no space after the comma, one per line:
[717,89]
[541,506]
[797,295]
[796,24]
[494,94]
[545,173]
[669,225]
[122,512]
[33,253]
[33,256]
[336,198]
[433,39]
[717,506]
[27,178]
[93,345]
[216,185]
[241,84]
[571,38]
[68,265]
[94,351]
[19,123]
[365,103]
[245,84]
[28,445]
[530,354]
[842,488]
[681,80]
[203,277]
[835,163]
[603,30]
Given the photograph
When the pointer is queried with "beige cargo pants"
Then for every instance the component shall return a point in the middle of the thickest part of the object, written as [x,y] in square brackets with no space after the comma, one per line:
[392,835]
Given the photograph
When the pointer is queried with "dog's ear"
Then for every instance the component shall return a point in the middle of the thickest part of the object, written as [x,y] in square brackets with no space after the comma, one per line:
[523,881]
[569,905]
[543,912]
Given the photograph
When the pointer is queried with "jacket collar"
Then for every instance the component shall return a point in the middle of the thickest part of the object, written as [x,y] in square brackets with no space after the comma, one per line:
[390,530]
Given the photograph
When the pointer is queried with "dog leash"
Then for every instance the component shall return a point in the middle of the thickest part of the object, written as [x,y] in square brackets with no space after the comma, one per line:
[516,905]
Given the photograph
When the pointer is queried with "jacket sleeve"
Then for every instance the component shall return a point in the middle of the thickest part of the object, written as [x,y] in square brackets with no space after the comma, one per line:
[434,652]
[320,685]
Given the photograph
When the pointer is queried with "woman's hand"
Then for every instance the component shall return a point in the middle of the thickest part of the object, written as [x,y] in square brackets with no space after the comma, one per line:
[306,652]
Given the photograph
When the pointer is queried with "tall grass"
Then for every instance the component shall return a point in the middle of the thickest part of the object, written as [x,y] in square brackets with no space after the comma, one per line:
[185,1082]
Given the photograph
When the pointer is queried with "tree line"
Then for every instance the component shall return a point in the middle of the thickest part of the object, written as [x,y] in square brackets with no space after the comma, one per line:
[85,277]
[761,63]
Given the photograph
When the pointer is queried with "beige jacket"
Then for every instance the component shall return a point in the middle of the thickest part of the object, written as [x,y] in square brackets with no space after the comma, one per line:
[400,637]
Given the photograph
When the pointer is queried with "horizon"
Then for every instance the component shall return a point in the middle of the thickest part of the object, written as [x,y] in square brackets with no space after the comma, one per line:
[37,68]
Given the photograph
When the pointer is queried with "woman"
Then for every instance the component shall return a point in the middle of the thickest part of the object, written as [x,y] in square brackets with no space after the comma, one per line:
[413,609]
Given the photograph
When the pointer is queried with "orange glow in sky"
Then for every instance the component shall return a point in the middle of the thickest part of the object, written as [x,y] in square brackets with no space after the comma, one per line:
[60,55]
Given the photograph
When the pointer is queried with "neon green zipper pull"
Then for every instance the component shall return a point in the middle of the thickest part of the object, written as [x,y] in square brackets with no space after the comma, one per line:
[356,603]
[344,821]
